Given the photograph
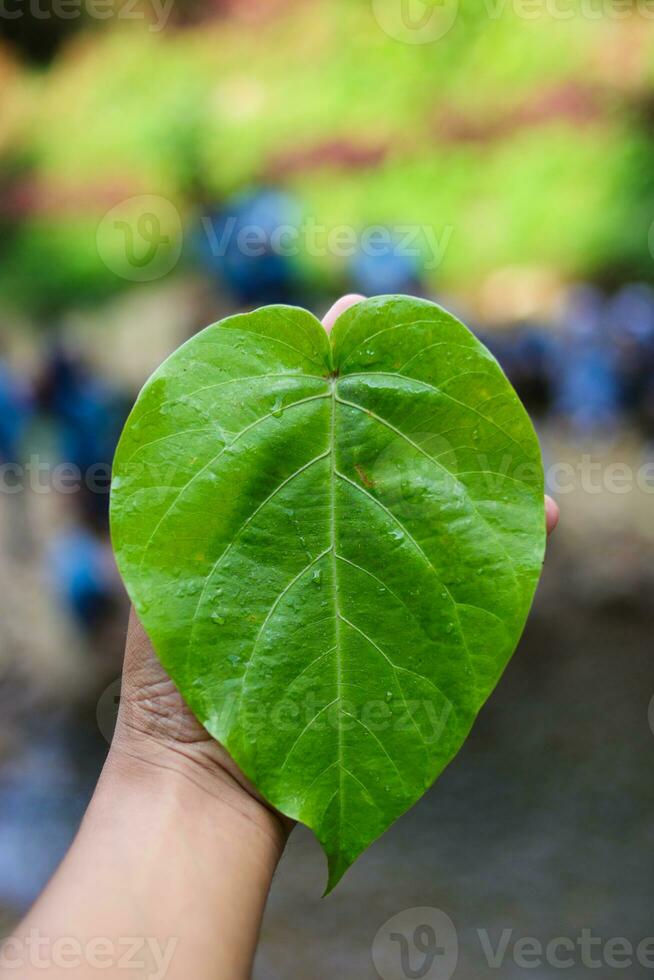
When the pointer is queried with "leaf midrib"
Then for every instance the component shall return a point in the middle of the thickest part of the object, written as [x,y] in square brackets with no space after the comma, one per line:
[332,550]
[338,659]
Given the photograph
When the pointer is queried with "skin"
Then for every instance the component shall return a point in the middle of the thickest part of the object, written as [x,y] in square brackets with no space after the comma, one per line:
[176,852]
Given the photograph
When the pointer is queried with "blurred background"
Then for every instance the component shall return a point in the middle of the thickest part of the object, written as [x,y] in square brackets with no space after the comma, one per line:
[166,162]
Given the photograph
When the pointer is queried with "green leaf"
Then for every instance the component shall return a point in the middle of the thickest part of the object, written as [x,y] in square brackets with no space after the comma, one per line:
[333,545]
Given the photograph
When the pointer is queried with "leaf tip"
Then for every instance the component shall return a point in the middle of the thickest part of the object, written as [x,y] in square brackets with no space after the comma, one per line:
[337,865]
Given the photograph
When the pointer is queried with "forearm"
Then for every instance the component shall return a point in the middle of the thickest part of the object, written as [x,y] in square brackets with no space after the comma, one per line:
[171,869]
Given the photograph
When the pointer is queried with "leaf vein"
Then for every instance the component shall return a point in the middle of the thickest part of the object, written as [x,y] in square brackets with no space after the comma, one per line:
[381,745]
[464,487]
[203,469]
[249,520]
[187,396]
[287,588]
[306,728]
[439,391]
[375,646]
[421,552]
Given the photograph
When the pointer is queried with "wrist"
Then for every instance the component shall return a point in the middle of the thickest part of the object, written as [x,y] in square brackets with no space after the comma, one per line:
[171,850]
[194,777]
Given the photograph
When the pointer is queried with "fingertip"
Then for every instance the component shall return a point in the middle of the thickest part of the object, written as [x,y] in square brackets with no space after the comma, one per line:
[339,307]
[552,514]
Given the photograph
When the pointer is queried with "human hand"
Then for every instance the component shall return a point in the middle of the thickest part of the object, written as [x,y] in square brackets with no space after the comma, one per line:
[156,725]
[176,845]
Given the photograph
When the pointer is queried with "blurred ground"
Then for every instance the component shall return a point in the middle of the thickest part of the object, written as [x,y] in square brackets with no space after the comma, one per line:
[541,825]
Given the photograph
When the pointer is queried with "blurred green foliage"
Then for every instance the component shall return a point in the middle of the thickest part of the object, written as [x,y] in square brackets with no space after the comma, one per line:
[529,139]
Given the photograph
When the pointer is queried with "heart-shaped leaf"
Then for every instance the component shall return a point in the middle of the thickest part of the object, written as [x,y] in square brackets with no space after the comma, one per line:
[333,545]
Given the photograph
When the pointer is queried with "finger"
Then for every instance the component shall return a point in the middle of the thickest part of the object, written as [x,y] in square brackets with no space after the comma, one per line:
[340,306]
[552,514]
